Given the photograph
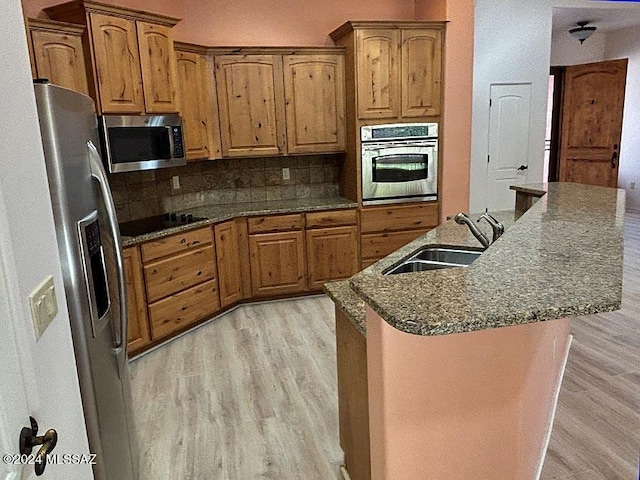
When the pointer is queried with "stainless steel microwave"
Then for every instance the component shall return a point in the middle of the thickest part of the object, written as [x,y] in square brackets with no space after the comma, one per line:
[142,142]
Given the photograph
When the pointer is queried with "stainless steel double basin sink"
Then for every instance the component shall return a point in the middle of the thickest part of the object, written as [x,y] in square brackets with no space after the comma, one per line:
[435,257]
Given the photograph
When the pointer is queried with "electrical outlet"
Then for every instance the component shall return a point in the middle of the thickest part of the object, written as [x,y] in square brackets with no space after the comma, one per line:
[44,306]
[286,174]
[175,182]
[632,185]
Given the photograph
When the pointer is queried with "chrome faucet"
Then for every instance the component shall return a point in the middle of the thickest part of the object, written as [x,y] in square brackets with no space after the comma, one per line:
[496,226]
[463,219]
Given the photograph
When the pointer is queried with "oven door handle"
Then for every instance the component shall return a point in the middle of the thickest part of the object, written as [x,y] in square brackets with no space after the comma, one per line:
[431,143]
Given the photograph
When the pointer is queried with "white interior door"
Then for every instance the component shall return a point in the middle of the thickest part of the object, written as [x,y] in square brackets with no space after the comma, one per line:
[37,378]
[508,159]
[13,408]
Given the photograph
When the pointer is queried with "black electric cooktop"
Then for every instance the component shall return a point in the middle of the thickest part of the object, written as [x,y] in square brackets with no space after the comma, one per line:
[156,223]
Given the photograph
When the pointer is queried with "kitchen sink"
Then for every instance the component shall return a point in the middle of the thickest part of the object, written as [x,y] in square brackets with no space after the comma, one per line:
[434,258]
[458,256]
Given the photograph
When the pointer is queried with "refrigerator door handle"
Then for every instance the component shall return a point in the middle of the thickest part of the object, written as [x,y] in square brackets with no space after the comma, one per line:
[98,172]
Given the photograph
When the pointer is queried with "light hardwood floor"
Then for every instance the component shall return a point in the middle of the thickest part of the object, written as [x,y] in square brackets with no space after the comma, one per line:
[596,433]
[250,395]
[253,394]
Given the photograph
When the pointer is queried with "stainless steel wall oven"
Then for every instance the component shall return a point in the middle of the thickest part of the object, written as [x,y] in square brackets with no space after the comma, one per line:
[399,162]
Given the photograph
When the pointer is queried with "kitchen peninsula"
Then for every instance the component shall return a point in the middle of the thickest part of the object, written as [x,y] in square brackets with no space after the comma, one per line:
[442,376]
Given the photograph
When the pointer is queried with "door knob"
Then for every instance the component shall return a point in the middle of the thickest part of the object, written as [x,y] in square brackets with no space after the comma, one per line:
[29,439]
[523,167]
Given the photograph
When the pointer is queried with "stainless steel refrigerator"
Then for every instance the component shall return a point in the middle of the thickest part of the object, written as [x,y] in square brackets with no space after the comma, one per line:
[91,257]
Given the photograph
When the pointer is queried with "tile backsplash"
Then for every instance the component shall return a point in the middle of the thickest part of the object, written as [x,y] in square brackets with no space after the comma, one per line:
[142,194]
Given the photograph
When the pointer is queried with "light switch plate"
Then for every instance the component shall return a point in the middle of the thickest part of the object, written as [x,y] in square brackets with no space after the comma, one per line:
[175,182]
[44,306]
[285,174]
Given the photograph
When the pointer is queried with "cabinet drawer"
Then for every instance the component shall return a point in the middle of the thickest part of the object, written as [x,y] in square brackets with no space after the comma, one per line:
[406,217]
[178,272]
[276,223]
[184,308]
[175,243]
[335,218]
[378,245]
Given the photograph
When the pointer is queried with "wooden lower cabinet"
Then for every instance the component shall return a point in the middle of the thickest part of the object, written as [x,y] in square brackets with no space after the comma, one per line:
[384,229]
[183,309]
[180,281]
[278,265]
[139,335]
[232,253]
[332,254]
[179,272]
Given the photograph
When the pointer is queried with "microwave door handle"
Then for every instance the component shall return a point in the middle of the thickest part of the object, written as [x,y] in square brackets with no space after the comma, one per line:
[98,172]
[170,135]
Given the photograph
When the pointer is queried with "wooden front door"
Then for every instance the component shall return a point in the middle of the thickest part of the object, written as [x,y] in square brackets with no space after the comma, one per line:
[591,122]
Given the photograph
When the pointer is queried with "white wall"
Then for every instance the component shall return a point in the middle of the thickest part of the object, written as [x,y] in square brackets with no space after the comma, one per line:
[513,44]
[566,50]
[626,44]
[54,395]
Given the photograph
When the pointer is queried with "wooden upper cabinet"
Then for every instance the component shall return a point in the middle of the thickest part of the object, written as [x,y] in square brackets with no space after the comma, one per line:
[133,65]
[194,119]
[117,64]
[58,54]
[250,89]
[378,73]
[315,103]
[199,105]
[398,68]
[421,68]
[159,70]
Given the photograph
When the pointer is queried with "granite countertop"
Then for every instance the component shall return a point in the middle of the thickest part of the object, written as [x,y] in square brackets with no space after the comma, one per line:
[563,257]
[533,189]
[349,302]
[220,213]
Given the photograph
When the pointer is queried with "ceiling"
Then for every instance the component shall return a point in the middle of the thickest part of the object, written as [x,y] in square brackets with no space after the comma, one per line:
[605,19]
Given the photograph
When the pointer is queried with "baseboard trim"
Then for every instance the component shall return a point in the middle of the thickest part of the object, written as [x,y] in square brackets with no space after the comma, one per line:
[220,315]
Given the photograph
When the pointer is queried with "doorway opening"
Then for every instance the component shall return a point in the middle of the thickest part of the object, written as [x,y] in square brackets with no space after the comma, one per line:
[552,133]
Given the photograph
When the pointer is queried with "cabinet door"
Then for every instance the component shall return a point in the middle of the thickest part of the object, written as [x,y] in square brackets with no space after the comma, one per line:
[277,263]
[251,103]
[234,275]
[159,71]
[378,75]
[193,104]
[314,103]
[117,64]
[138,335]
[332,254]
[59,57]
[421,72]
